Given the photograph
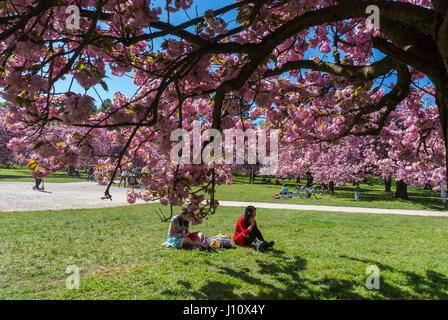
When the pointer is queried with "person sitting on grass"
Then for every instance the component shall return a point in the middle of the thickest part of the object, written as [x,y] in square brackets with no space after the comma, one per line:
[247,232]
[284,190]
[178,232]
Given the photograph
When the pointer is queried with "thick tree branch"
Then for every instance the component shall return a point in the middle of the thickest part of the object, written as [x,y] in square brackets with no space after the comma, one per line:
[362,73]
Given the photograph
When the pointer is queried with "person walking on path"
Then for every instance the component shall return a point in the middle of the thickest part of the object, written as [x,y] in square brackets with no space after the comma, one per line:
[33,167]
[90,172]
[123,178]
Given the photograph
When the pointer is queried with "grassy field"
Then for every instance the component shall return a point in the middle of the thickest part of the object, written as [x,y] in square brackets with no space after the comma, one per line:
[371,196]
[23,174]
[317,255]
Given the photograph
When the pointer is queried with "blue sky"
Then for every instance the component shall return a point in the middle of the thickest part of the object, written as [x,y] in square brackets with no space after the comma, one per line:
[124,84]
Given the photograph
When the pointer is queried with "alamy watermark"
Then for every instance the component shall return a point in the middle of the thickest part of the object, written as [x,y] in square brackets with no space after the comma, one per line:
[74,280]
[373,279]
[72,21]
[374,17]
[256,144]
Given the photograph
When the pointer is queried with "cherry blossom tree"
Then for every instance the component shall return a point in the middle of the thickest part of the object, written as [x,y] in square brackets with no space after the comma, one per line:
[317,69]
[7,156]
[410,150]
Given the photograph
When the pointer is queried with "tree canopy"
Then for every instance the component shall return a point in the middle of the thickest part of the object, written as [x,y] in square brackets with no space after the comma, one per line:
[330,74]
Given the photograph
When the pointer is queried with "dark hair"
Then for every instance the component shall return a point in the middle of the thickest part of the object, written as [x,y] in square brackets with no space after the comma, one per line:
[184,213]
[247,214]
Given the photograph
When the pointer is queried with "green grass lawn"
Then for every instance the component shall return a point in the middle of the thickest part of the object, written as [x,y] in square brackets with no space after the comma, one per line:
[371,196]
[318,255]
[24,175]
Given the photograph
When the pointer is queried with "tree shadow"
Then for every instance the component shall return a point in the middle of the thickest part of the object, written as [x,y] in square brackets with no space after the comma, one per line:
[288,285]
[215,290]
[45,191]
[291,283]
[433,284]
[14,177]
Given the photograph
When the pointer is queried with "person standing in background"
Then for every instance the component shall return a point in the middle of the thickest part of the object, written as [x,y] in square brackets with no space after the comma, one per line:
[357,191]
[123,178]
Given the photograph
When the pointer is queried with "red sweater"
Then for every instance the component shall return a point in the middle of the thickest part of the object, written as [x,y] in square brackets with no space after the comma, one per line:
[240,231]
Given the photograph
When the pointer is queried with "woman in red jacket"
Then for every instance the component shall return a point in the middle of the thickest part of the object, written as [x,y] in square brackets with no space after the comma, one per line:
[246,231]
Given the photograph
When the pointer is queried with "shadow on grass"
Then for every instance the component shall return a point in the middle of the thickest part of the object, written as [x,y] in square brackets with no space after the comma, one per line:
[13,177]
[31,179]
[290,284]
[285,270]
[434,285]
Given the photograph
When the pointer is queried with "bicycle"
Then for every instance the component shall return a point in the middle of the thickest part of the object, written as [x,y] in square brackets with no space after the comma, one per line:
[308,191]
[303,192]
[325,188]
[317,192]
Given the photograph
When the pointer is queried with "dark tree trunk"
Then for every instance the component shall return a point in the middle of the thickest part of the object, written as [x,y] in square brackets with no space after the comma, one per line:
[442,106]
[427,186]
[388,185]
[331,186]
[401,191]
[298,179]
[309,179]
[252,176]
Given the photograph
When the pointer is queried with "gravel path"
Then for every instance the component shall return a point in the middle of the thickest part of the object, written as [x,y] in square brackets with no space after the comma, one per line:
[19,196]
